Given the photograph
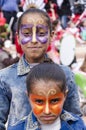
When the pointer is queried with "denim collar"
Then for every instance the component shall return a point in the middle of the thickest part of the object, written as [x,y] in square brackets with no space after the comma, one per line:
[32,123]
[24,67]
[66,116]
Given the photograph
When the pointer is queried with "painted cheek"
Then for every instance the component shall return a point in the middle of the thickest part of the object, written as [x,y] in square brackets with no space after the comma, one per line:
[38,109]
[43,40]
[26,40]
[56,109]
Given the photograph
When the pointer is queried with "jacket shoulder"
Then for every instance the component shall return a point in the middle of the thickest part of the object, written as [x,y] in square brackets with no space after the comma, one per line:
[72,120]
[19,125]
[8,69]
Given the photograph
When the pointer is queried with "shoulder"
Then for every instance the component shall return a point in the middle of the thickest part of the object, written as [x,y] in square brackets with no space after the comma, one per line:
[6,76]
[65,68]
[8,70]
[68,72]
[19,125]
[73,120]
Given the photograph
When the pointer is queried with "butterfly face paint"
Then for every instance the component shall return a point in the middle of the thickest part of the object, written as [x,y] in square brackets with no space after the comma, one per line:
[50,104]
[27,31]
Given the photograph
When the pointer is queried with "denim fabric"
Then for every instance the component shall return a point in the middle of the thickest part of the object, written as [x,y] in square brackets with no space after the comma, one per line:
[13,82]
[69,121]
[72,101]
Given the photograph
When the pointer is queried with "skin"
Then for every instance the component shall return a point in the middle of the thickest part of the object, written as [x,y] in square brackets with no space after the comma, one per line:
[34,50]
[84,23]
[46,101]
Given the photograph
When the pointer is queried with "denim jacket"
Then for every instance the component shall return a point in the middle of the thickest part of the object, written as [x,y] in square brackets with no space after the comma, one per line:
[14,100]
[68,122]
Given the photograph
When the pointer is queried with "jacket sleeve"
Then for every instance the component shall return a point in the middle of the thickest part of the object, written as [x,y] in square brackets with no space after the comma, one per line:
[5,100]
[72,103]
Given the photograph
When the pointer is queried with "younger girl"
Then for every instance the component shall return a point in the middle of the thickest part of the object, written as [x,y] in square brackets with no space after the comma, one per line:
[47,90]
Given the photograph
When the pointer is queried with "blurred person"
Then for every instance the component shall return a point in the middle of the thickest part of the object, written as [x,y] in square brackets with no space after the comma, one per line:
[34,35]
[20,5]
[79,7]
[5,57]
[52,10]
[65,10]
[75,31]
[54,47]
[10,9]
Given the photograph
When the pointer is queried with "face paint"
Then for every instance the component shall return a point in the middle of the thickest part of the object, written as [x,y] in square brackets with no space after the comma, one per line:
[42,34]
[26,33]
[43,104]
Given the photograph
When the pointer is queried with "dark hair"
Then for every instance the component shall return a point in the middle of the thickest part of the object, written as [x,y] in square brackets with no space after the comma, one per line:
[35,10]
[46,72]
[54,24]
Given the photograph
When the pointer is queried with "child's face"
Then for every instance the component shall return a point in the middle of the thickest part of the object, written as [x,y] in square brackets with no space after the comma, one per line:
[46,101]
[34,36]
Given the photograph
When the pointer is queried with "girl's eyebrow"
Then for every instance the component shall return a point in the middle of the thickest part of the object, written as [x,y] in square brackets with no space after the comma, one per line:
[42,26]
[31,25]
[26,26]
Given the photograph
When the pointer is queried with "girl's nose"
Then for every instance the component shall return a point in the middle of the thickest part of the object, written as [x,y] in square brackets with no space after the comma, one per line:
[34,40]
[47,109]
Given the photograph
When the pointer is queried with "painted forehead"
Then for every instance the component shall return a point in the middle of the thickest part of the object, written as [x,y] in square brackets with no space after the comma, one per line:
[29,26]
[34,19]
[43,89]
[50,92]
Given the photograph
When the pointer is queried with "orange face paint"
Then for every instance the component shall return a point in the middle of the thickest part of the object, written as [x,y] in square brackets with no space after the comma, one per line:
[51,104]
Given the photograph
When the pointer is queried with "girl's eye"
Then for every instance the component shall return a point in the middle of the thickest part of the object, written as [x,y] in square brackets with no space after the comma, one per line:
[27,32]
[39,101]
[54,101]
[41,34]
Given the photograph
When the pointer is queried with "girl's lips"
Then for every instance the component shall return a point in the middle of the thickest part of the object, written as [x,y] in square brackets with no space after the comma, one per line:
[48,117]
[34,48]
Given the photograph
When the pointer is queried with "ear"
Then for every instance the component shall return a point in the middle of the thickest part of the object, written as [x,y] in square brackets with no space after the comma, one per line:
[66,92]
[27,93]
[51,36]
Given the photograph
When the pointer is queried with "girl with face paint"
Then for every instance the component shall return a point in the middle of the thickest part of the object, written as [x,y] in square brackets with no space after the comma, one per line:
[34,31]
[47,91]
